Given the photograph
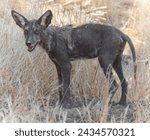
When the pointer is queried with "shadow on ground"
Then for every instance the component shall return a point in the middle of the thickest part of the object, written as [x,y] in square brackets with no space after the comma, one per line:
[89,110]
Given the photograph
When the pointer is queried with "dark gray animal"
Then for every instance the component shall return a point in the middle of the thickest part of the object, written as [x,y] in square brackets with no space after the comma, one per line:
[64,44]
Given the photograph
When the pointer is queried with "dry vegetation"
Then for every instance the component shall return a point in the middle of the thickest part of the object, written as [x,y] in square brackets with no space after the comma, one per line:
[28,81]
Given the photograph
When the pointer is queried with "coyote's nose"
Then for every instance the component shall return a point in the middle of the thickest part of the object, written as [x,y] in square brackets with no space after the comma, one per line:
[28,43]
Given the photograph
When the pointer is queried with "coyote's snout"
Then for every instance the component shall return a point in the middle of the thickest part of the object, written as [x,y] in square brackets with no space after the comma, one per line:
[64,44]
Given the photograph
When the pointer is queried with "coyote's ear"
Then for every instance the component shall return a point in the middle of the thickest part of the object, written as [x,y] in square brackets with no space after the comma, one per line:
[19,19]
[45,19]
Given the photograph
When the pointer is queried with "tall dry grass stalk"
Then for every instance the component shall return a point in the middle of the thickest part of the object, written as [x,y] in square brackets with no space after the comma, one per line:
[28,81]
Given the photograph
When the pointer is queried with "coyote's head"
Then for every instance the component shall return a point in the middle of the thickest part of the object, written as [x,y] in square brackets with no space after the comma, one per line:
[33,29]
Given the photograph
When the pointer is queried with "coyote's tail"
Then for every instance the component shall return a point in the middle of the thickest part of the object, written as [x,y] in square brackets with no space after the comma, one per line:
[126,38]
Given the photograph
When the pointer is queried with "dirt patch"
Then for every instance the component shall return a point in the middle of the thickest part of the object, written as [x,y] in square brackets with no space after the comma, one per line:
[87,110]
[119,113]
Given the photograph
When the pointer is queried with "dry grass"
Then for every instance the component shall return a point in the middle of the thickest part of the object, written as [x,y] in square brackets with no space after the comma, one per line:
[28,81]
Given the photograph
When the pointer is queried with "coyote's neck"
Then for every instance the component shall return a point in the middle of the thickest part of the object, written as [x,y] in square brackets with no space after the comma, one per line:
[46,40]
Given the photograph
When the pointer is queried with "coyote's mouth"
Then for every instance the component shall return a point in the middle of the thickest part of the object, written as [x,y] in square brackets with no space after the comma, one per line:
[32,47]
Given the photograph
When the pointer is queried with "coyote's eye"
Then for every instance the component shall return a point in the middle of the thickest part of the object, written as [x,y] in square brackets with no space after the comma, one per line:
[36,32]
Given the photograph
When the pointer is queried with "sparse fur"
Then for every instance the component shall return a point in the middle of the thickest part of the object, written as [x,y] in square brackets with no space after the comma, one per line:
[65,44]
